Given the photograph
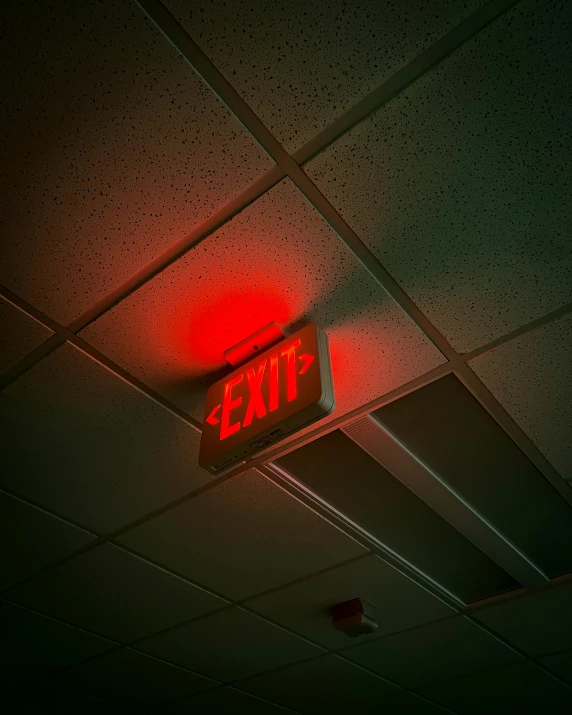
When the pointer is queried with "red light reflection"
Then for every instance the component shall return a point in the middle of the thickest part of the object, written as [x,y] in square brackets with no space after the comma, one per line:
[226,319]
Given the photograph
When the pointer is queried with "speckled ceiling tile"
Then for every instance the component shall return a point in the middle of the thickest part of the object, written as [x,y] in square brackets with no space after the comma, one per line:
[532,378]
[301,65]
[83,444]
[19,334]
[461,185]
[276,261]
[116,150]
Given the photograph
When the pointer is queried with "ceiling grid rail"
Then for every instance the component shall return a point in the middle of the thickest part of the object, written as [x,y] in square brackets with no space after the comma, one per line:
[203,66]
[289,166]
[430,487]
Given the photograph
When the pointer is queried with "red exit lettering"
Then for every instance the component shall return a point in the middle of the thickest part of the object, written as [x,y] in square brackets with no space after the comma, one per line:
[268,368]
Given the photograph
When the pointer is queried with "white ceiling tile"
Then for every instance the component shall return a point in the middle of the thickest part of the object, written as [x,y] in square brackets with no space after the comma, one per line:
[459,185]
[445,649]
[37,539]
[33,644]
[241,538]
[226,701]
[116,150]
[276,261]
[532,378]
[322,686]
[19,334]
[538,623]
[304,607]
[301,65]
[229,645]
[560,664]
[81,442]
[517,688]
[114,594]
[132,679]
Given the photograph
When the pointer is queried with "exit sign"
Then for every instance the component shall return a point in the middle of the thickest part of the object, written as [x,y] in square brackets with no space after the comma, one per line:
[280,391]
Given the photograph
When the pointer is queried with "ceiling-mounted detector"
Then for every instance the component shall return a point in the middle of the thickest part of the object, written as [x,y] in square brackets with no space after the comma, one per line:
[286,386]
[354,618]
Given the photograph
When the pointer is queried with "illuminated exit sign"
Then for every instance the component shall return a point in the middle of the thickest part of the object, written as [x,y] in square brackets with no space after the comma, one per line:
[280,391]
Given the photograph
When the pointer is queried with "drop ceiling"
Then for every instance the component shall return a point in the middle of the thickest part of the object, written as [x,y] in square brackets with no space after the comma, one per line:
[177,175]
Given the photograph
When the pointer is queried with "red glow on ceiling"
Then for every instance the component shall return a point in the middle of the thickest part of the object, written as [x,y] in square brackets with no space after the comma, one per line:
[226,319]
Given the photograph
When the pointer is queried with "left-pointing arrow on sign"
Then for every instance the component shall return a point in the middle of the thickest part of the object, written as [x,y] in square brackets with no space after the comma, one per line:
[211,419]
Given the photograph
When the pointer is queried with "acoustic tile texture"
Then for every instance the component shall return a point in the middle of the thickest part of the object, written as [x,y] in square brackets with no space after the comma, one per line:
[173,331]
[461,184]
[134,582]
[301,65]
[532,378]
[115,150]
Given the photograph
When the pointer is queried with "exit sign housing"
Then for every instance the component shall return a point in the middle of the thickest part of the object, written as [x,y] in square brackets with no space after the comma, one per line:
[273,395]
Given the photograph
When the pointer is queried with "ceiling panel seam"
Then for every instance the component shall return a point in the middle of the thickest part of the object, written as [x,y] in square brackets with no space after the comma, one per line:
[283,479]
[198,234]
[94,354]
[458,365]
[202,65]
[40,507]
[519,332]
[404,77]
[326,651]
[440,49]
[339,653]
[108,537]
[63,334]
[555,583]
[480,391]
[523,654]
[233,683]
[370,434]
[399,81]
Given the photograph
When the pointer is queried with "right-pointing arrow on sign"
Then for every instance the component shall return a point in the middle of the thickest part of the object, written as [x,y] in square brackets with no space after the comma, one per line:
[308,359]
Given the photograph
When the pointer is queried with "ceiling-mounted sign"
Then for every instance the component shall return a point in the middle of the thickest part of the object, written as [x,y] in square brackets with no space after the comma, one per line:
[280,391]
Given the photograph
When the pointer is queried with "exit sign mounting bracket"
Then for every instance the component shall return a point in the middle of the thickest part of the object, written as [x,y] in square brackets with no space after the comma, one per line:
[254,345]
